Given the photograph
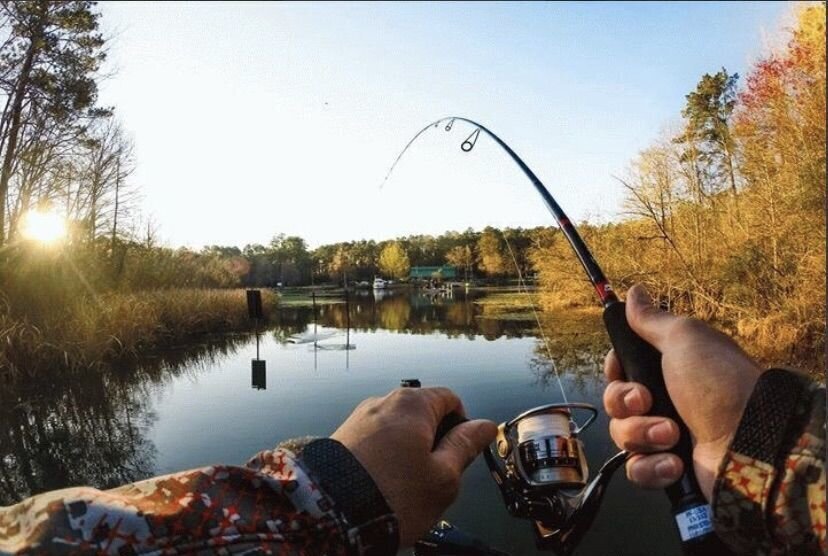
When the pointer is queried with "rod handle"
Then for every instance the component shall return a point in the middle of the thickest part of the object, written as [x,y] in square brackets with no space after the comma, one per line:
[640,360]
[449,422]
[642,363]
[446,424]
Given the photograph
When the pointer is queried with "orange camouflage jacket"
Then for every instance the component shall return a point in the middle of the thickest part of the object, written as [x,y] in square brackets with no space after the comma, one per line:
[315,498]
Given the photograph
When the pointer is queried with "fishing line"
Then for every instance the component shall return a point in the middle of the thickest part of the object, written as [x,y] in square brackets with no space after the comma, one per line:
[544,338]
[641,363]
[466,146]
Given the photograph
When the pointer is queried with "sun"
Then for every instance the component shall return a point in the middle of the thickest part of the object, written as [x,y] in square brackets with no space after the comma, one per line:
[45,226]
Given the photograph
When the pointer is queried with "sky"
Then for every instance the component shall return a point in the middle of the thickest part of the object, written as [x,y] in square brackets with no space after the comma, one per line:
[253,119]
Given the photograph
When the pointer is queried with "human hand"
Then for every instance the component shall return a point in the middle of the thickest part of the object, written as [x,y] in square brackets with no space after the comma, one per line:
[709,379]
[392,438]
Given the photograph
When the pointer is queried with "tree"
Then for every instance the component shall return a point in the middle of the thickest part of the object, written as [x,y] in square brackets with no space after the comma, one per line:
[393,261]
[461,256]
[490,252]
[341,263]
[103,193]
[291,258]
[707,133]
[48,63]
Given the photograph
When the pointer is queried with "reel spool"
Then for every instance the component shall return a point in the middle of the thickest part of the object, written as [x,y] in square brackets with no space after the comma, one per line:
[541,469]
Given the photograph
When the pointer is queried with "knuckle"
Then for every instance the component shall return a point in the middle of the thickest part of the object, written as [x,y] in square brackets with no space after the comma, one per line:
[636,470]
[443,391]
[627,434]
[405,396]
[685,326]
[613,398]
[368,406]
[615,427]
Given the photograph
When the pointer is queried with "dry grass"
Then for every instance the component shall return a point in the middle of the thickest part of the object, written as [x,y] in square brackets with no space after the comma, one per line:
[92,331]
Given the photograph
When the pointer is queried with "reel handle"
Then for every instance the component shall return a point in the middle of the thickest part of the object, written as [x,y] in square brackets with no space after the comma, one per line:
[642,363]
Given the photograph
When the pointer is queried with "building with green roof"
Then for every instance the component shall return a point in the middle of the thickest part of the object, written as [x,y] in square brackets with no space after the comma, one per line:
[445,272]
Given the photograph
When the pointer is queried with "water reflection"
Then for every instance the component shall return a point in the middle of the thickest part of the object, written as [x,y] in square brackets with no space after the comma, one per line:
[258,374]
[89,428]
[93,428]
[406,311]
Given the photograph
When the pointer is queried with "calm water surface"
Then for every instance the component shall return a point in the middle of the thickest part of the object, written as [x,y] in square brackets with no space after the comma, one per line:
[198,405]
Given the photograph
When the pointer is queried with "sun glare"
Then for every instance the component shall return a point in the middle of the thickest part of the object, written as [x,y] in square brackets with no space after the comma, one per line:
[45,226]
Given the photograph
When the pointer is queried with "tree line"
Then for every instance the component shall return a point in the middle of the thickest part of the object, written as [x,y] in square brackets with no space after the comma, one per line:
[288,259]
[724,213]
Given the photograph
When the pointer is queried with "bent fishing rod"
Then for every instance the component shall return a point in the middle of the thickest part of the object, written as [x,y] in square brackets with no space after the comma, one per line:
[538,472]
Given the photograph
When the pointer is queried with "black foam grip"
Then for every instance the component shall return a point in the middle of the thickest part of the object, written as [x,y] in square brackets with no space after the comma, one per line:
[642,363]
[640,360]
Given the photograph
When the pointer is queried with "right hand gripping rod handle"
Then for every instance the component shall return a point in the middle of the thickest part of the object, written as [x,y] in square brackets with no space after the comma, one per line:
[642,363]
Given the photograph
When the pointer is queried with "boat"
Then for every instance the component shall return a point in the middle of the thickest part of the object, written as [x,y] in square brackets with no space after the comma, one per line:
[380,284]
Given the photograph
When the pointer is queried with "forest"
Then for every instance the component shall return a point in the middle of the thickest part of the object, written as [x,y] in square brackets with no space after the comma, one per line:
[724,216]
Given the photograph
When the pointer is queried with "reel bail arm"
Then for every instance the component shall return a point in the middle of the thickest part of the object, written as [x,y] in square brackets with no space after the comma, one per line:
[541,470]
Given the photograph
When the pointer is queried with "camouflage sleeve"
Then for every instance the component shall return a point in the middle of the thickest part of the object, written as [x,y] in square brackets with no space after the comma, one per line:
[276,504]
[769,495]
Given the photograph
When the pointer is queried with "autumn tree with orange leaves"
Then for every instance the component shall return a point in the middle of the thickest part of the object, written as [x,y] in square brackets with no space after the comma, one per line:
[726,214]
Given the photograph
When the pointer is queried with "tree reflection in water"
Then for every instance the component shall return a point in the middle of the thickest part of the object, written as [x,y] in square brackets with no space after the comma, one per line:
[407,312]
[576,340]
[88,428]
[577,343]
[92,428]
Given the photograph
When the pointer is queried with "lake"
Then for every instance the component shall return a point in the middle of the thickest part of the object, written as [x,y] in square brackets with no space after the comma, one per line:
[202,404]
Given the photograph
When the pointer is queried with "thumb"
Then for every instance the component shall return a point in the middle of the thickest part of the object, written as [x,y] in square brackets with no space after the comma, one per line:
[647,320]
[458,448]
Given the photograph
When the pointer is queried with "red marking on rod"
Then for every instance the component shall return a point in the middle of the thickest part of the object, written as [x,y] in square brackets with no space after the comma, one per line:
[604,290]
[564,222]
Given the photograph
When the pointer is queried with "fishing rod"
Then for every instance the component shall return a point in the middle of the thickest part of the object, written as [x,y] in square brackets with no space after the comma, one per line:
[539,463]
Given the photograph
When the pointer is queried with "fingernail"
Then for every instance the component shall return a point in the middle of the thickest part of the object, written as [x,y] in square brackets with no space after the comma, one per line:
[661,433]
[666,468]
[634,401]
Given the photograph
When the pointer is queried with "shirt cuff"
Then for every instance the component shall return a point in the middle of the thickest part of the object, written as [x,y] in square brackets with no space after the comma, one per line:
[371,528]
[743,491]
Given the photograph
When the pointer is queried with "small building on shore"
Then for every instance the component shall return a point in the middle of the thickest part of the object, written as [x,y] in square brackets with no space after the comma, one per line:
[433,273]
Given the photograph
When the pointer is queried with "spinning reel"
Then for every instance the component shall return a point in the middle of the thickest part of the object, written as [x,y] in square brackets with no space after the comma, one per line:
[539,465]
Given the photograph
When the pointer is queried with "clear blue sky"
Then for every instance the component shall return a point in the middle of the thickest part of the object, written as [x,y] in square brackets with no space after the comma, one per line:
[251,119]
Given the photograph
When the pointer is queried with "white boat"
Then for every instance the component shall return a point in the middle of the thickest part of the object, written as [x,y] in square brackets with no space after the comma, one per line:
[380,284]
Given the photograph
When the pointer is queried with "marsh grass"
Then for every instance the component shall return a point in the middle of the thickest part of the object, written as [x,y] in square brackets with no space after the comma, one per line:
[90,331]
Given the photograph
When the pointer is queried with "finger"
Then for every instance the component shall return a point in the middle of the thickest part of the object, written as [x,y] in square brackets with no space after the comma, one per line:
[655,470]
[612,367]
[463,443]
[626,399]
[442,401]
[644,434]
[648,321]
